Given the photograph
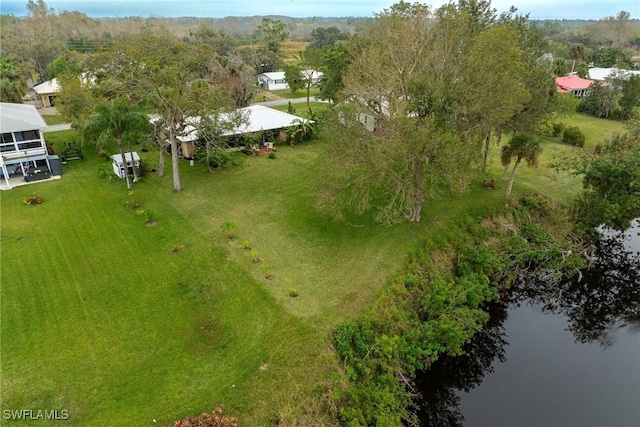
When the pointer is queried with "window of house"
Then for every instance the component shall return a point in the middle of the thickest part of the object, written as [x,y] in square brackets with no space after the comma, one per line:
[27,135]
[6,138]
[7,147]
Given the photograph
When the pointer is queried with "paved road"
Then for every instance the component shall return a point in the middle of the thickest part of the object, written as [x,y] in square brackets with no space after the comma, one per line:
[66,126]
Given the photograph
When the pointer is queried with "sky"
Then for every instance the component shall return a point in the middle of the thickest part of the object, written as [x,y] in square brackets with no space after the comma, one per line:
[537,9]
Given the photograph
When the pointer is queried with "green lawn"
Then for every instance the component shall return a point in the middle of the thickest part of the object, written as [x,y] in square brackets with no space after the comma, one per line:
[301,93]
[301,107]
[53,119]
[120,323]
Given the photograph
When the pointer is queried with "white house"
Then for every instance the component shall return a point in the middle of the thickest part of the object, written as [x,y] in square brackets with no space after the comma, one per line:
[600,74]
[255,119]
[276,80]
[23,151]
[47,91]
[272,81]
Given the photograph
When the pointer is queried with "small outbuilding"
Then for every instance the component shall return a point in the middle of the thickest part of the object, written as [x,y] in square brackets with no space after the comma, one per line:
[118,164]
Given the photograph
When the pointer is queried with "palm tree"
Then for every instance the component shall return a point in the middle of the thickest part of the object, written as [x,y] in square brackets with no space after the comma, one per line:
[576,53]
[113,121]
[299,129]
[521,147]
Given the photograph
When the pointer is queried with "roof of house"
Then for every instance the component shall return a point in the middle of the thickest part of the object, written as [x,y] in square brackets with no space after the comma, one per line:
[276,75]
[50,86]
[571,83]
[597,73]
[19,117]
[261,118]
[279,75]
[257,118]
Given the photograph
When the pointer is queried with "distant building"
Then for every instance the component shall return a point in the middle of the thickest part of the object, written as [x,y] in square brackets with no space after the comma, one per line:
[573,84]
[601,74]
[46,92]
[276,80]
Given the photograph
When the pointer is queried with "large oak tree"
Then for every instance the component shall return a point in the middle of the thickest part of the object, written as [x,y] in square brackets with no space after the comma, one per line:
[433,85]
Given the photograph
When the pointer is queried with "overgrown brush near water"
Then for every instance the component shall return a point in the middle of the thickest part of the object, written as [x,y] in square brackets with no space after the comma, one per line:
[436,305]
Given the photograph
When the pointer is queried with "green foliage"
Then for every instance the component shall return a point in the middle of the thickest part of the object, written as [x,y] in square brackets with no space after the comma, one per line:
[215,157]
[433,310]
[293,77]
[229,228]
[272,155]
[599,102]
[572,135]
[611,194]
[558,128]
[11,82]
[630,96]
[326,37]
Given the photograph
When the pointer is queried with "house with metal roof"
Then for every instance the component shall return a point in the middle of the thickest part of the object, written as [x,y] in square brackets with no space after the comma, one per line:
[24,157]
[573,84]
[601,74]
[47,91]
[265,122]
[276,80]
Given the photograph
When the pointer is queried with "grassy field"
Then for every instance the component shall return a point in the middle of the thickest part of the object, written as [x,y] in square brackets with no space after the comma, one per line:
[120,323]
[301,107]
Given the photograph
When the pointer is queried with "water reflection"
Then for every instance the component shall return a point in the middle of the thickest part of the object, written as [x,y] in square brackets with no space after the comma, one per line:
[602,299]
[597,304]
[439,386]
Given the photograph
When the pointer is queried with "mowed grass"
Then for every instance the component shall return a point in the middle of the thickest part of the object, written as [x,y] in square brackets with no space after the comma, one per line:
[120,323]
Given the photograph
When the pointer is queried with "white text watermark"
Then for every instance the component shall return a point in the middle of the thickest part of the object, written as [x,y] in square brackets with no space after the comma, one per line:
[35,414]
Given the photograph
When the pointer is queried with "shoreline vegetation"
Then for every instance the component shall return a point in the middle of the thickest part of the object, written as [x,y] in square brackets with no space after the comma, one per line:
[436,305]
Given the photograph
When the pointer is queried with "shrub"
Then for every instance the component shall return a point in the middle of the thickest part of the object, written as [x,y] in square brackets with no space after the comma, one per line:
[293,292]
[246,245]
[143,169]
[215,157]
[558,127]
[572,135]
[272,155]
[229,228]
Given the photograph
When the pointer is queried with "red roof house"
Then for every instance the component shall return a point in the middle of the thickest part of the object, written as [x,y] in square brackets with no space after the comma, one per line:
[573,84]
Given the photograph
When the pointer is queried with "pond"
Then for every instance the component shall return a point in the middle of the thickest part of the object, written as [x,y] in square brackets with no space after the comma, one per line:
[563,358]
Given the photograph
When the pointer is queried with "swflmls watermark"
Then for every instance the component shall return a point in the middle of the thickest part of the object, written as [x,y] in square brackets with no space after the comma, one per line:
[35,414]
